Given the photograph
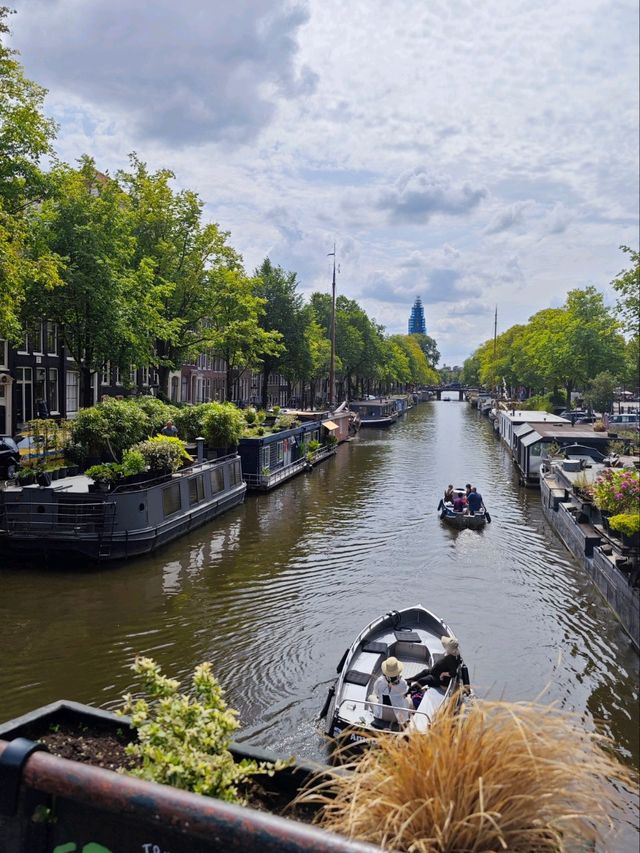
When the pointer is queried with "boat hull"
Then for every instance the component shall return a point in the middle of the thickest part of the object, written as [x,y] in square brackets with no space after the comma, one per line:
[463,522]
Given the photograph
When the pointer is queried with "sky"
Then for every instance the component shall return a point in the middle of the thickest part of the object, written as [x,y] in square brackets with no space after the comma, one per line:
[474,154]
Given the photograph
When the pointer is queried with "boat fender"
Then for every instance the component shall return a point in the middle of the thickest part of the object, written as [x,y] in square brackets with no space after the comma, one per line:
[330,693]
[342,660]
[440,505]
[464,675]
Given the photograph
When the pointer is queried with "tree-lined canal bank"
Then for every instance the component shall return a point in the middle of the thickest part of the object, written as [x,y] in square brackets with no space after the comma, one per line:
[275,590]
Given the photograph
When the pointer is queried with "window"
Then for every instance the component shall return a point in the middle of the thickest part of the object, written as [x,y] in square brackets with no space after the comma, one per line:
[36,337]
[196,490]
[4,353]
[217,480]
[117,378]
[39,393]
[24,399]
[72,392]
[24,344]
[171,499]
[52,338]
[145,375]
[133,375]
[280,451]
[105,374]
[52,390]
[265,458]
[235,474]
[535,449]
[174,389]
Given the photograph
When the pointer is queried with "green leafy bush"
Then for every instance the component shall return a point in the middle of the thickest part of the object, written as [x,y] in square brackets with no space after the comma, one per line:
[286,422]
[626,522]
[107,472]
[538,403]
[189,421]
[163,454]
[133,463]
[223,424]
[331,440]
[184,740]
[157,411]
[250,416]
[108,428]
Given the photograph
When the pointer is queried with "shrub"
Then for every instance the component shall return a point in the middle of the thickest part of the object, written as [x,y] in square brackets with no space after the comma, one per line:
[157,411]
[331,440]
[223,424]
[133,462]
[107,472]
[189,421]
[275,410]
[184,740]
[627,523]
[599,426]
[250,416]
[111,426]
[286,422]
[260,431]
[539,403]
[502,776]
[617,490]
[163,454]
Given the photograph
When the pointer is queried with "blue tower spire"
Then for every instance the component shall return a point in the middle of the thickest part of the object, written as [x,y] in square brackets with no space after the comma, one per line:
[417,324]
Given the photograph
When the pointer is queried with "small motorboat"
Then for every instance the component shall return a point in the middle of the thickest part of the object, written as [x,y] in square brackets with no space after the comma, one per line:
[462,520]
[413,636]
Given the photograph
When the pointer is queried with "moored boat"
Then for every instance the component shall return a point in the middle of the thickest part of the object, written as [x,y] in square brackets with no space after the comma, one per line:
[72,517]
[375,413]
[413,637]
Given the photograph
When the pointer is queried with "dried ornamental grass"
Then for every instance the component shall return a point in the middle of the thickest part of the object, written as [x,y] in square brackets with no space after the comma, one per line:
[502,776]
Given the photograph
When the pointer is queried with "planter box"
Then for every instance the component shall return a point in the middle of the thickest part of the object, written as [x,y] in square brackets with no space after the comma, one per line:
[66,806]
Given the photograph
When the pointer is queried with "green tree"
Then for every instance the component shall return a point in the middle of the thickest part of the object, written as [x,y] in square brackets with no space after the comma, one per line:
[627,286]
[315,363]
[25,137]
[100,303]
[601,392]
[185,262]
[282,313]
[429,347]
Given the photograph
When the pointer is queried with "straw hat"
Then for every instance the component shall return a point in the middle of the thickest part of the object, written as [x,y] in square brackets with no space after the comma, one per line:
[450,644]
[392,667]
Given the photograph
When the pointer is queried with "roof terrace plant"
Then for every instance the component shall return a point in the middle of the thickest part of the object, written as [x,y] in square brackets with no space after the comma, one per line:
[617,490]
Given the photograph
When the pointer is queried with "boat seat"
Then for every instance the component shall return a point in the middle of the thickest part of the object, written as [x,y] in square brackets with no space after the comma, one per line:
[379,648]
[355,677]
[414,651]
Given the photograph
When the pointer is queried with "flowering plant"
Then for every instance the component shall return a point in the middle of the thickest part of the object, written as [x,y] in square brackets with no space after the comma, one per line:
[627,523]
[617,490]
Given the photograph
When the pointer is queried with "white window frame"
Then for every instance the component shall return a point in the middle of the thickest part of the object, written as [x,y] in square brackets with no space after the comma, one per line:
[55,409]
[105,373]
[280,451]
[69,406]
[4,354]
[53,328]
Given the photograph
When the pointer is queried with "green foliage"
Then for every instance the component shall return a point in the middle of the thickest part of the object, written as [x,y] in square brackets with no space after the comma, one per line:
[189,421]
[184,740]
[537,403]
[331,441]
[286,422]
[617,490]
[250,416]
[157,411]
[110,427]
[600,393]
[163,454]
[627,286]
[223,424]
[107,472]
[627,523]
[133,463]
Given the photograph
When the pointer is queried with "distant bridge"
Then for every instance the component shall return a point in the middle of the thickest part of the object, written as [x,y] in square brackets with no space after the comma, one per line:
[462,391]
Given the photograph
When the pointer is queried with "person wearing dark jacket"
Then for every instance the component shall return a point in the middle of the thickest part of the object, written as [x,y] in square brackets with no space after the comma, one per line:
[441,673]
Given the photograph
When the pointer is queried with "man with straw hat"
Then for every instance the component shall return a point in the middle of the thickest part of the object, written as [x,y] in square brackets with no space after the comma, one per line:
[390,689]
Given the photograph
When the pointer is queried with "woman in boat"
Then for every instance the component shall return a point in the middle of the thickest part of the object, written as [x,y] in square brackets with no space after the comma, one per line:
[459,502]
[390,689]
[449,494]
[441,673]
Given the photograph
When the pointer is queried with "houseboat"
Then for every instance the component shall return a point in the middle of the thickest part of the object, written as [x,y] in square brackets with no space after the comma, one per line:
[531,443]
[379,412]
[268,460]
[509,420]
[402,402]
[73,516]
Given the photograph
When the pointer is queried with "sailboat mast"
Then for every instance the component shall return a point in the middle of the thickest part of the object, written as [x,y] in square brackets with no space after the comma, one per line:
[332,367]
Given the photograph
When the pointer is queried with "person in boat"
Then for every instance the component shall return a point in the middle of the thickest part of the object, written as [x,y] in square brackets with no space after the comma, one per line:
[449,494]
[390,689]
[459,502]
[474,499]
[169,429]
[441,673]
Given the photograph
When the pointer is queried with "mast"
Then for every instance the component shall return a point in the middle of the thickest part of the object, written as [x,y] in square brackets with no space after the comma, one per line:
[495,331]
[332,367]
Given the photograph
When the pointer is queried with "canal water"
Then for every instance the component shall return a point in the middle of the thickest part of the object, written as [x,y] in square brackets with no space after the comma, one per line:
[273,592]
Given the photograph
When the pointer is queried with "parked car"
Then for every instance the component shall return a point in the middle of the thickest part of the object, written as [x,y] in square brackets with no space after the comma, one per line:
[632,418]
[9,457]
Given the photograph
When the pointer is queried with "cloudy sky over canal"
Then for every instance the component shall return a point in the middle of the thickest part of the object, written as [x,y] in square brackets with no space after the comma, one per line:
[471,153]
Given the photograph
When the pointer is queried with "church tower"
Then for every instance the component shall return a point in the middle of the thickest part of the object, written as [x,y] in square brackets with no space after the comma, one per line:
[417,324]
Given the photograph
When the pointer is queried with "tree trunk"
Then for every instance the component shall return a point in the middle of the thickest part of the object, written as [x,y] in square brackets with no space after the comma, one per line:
[163,380]
[228,385]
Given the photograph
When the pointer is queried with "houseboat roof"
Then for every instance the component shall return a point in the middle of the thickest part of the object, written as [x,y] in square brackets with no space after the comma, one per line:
[521,416]
[523,429]
[565,430]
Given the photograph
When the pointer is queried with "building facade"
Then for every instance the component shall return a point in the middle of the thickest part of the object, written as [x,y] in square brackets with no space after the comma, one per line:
[417,323]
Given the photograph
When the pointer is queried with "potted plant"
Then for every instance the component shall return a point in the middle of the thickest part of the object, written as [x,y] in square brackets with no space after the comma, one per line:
[627,524]
[162,454]
[104,475]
